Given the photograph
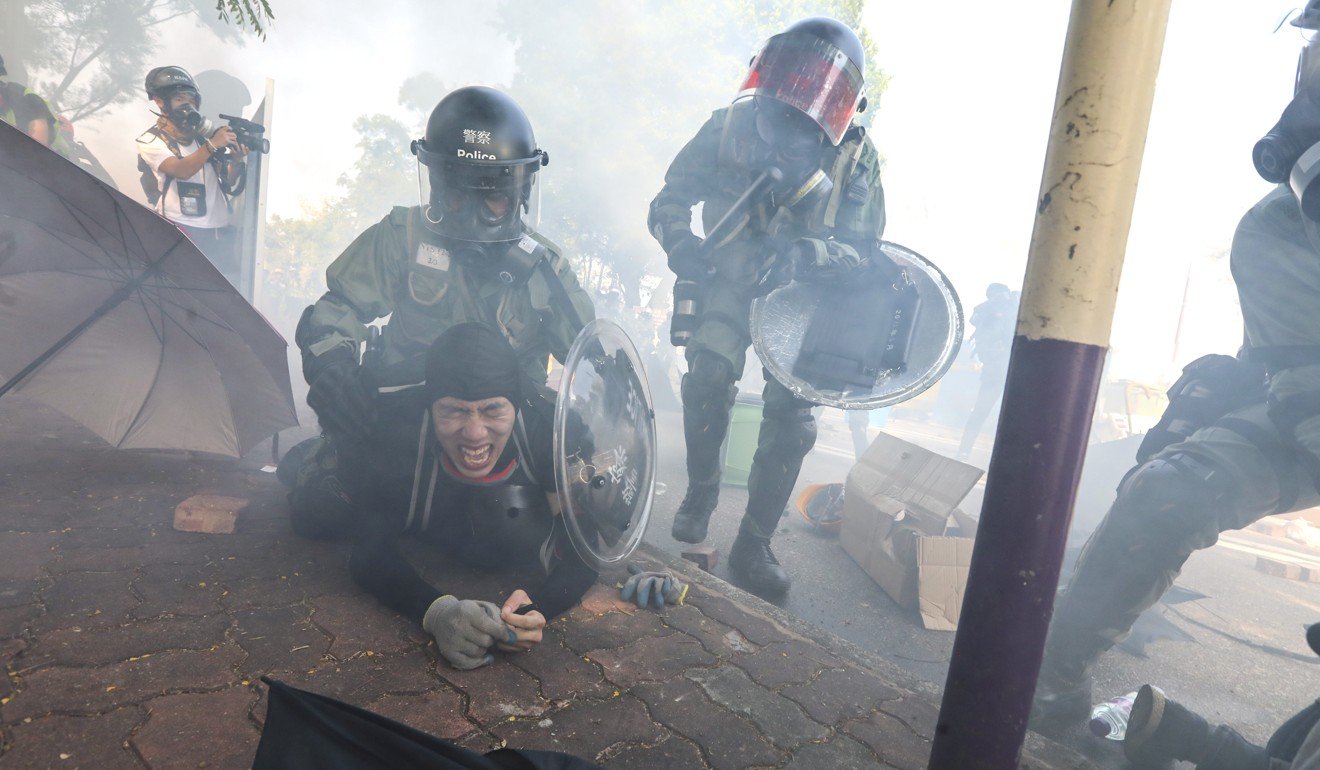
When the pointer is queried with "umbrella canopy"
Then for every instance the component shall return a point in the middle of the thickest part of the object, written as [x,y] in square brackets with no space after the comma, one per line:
[109,314]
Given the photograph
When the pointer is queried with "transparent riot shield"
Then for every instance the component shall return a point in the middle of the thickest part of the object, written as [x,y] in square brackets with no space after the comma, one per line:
[604,445]
[861,345]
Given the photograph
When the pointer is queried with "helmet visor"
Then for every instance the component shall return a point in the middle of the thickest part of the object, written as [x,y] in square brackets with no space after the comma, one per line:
[810,75]
[479,201]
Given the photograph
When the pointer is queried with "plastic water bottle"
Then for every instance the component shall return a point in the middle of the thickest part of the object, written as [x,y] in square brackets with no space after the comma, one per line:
[1110,719]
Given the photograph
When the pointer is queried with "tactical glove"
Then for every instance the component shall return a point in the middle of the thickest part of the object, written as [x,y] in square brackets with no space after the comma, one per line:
[341,399]
[654,588]
[827,262]
[685,258]
[465,630]
[783,266]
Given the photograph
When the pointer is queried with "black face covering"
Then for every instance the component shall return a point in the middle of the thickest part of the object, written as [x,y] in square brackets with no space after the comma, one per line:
[791,140]
[472,362]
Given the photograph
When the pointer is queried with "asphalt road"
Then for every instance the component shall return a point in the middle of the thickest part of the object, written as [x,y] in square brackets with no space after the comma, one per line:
[1248,664]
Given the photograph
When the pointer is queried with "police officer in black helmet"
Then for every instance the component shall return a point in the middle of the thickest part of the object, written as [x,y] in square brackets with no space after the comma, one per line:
[463,255]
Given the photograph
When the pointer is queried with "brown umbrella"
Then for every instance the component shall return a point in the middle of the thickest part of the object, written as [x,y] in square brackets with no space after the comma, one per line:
[109,314]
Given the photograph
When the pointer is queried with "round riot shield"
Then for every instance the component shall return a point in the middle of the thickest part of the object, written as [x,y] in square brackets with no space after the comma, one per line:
[864,344]
[604,445]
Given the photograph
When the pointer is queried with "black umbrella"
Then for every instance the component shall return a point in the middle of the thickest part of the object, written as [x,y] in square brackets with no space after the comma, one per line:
[111,315]
[306,731]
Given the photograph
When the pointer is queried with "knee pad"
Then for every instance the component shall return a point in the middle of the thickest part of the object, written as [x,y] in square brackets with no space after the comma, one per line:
[793,431]
[709,379]
[1173,498]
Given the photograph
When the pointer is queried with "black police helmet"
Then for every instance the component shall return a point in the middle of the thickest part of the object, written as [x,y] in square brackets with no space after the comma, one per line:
[163,82]
[835,33]
[479,145]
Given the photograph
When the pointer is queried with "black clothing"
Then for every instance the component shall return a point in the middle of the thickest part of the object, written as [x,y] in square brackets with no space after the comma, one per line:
[499,522]
[306,731]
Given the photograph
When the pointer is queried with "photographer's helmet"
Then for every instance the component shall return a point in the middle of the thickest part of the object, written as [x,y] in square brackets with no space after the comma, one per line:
[811,73]
[164,82]
[481,164]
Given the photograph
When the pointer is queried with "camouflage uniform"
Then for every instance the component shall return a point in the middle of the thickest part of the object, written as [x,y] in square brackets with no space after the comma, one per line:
[399,268]
[707,170]
[1258,460]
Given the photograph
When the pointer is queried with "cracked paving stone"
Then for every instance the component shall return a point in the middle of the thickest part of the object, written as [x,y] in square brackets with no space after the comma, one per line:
[717,638]
[438,712]
[359,623]
[14,620]
[497,691]
[782,720]
[776,665]
[837,695]
[287,587]
[8,651]
[24,554]
[192,730]
[177,590]
[610,631]
[761,630]
[14,593]
[78,536]
[563,674]
[585,728]
[919,713]
[101,646]
[651,659]
[728,740]
[368,677]
[892,740]
[279,640]
[87,599]
[600,599]
[75,742]
[839,754]
[92,690]
[674,753]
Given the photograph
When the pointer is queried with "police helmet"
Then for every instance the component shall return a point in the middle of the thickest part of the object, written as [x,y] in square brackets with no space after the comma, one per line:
[481,163]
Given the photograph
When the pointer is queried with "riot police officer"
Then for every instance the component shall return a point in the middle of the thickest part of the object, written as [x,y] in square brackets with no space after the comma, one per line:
[794,113]
[1240,439]
[468,253]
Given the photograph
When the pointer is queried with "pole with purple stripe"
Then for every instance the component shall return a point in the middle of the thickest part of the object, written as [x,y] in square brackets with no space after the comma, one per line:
[1097,136]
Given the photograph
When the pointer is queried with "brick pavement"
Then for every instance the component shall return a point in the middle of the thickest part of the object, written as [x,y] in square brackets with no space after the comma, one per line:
[129,644]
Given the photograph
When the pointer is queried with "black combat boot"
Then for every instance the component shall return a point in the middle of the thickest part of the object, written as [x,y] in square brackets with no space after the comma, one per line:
[707,401]
[1160,731]
[754,564]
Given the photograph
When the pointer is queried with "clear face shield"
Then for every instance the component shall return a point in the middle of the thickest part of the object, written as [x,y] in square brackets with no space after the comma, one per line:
[479,200]
[811,76]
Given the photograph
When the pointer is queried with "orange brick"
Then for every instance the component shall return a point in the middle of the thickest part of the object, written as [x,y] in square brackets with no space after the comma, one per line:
[212,514]
[703,556]
[1283,569]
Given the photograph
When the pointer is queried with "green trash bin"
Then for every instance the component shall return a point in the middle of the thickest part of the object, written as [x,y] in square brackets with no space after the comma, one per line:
[740,442]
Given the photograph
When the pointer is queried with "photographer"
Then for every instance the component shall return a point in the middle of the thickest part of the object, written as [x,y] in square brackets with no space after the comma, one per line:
[185,173]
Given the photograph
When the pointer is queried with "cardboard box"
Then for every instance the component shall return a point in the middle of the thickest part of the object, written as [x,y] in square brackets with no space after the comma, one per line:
[901,525]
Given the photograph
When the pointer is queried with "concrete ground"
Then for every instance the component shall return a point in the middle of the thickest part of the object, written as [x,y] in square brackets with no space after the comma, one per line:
[127,644]
[1247,664]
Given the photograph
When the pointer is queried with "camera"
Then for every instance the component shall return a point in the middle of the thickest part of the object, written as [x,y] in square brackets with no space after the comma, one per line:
[249,134]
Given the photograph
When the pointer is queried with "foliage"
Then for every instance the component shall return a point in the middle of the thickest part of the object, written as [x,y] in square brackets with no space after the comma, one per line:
[87,55]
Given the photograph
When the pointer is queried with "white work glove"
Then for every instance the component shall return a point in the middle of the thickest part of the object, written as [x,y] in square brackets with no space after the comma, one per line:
[465,630]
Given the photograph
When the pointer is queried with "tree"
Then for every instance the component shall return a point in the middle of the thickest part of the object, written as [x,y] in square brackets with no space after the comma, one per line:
[613,103]
[87,55]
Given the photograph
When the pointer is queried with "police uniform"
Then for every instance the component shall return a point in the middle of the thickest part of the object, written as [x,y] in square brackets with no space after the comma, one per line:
[1260,458]
[400,269]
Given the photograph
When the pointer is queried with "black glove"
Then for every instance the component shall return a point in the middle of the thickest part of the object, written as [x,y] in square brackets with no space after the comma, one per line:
[827,265]
[783,268]
[685,258]
[341,399]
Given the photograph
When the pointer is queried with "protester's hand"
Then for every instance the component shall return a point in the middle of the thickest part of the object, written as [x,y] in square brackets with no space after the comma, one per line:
[655,589]
[341,399]
[685,258]
[224,136]
[527,628]
[465,630]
